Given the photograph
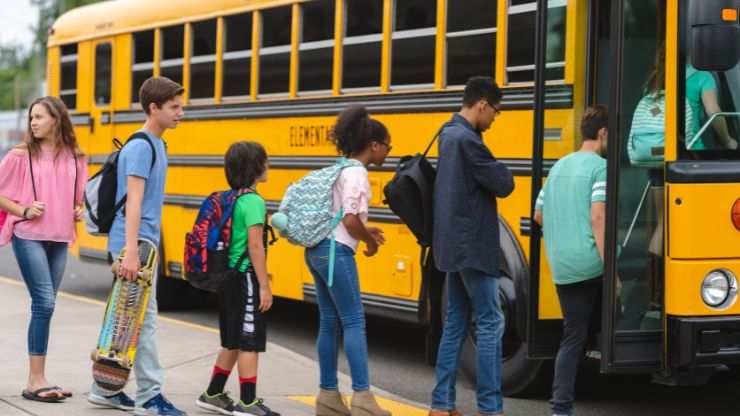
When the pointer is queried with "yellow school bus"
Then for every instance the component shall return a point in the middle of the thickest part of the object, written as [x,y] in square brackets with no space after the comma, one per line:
[279,71]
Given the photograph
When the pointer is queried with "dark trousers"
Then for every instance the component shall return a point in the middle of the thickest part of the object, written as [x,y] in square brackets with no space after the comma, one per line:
[581,306]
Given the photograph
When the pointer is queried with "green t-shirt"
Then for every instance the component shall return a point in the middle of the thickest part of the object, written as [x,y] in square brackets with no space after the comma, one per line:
[697,83]
[572,185]
[249,210]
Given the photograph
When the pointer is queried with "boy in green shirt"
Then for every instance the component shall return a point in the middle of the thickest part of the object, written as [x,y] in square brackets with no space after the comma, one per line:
[571,208]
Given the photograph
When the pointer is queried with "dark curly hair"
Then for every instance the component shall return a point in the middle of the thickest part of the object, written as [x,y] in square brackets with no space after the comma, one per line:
[244,163]
[355,131]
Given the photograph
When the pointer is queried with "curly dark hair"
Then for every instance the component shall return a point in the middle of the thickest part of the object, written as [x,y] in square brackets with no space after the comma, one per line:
[244,163]
[355,131]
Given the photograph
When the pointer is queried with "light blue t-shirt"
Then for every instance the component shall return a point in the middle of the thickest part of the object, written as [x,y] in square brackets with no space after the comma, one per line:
[136,160]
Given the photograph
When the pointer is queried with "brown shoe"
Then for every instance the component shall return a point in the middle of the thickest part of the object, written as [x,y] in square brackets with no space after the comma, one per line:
[364,404]
[452,412]
[331,403]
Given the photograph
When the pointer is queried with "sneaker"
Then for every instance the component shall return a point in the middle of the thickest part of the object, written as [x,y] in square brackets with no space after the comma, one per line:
[256,408]
[219,403]
[158,406]
[118,401]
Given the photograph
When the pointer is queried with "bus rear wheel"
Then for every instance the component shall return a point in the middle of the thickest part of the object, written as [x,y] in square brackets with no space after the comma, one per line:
[520,376]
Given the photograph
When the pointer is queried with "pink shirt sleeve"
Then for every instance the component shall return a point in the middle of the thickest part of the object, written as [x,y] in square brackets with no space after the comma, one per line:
[354,190]
[12,170]
[81,179]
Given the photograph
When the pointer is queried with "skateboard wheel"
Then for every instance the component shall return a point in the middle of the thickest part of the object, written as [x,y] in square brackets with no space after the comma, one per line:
[94,355]
[126,363]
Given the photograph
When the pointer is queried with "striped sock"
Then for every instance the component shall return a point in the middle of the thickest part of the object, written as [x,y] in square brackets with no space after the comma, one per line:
[248,389]
[218,380]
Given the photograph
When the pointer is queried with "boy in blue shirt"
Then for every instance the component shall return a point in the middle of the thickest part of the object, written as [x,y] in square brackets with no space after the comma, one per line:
[143,185]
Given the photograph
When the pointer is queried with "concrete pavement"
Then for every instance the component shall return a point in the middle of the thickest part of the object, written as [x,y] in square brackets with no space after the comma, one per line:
[287,381]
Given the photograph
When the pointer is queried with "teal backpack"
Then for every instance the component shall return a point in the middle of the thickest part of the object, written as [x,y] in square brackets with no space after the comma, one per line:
[305,216]
[647,134]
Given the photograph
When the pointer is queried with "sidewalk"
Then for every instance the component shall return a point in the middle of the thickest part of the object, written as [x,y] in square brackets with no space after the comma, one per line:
[287,380]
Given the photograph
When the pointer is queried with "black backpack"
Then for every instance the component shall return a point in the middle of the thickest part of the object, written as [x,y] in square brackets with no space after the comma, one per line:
[410,194]
[100,191]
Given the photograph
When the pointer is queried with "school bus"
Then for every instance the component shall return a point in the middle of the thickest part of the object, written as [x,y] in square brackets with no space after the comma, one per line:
[279,71]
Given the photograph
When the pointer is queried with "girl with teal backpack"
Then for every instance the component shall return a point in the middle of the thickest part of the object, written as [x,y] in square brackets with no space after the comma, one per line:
[343,211]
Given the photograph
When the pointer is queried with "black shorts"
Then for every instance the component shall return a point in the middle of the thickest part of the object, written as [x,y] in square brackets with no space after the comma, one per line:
[241,324]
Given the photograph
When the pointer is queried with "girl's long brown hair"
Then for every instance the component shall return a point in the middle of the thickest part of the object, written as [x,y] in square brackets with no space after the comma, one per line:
[65,137]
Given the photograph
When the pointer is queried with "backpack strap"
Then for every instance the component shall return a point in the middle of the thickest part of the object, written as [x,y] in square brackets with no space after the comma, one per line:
[139,135]
[434,139]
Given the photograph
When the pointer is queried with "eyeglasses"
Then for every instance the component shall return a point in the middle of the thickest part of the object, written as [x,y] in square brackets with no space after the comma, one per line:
[496,109]
[387,145]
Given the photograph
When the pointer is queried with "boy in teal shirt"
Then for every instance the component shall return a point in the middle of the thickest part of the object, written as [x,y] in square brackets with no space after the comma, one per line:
[571,208]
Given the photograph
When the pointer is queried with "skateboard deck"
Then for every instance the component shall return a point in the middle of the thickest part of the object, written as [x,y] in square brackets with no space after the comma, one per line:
[114,356]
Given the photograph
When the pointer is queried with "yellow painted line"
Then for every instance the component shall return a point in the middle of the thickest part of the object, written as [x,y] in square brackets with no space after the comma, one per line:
[397,408]
[96,302]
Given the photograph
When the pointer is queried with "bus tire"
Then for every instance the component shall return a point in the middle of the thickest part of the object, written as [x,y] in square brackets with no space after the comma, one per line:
[520,376]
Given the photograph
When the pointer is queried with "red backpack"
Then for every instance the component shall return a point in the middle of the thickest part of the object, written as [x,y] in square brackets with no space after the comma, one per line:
[207,245]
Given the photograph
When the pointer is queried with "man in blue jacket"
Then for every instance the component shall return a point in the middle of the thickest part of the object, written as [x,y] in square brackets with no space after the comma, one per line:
[466,246]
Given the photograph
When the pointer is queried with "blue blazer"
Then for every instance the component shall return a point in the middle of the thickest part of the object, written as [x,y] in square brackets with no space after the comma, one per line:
[469,179]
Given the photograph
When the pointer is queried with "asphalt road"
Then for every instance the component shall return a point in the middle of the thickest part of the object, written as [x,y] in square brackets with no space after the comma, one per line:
[397,360]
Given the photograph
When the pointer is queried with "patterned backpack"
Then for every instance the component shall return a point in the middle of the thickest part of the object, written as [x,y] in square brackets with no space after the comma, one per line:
[207,245]
[305,215]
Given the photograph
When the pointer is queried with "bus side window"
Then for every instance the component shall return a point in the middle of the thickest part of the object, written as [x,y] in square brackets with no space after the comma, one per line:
[471,40]
[414,43]
[172,52]
[275,51]
[362,44]
[237,55]
[142,66]
[203,61]
[103,73]
[317,46]
[68,76]
[520,59]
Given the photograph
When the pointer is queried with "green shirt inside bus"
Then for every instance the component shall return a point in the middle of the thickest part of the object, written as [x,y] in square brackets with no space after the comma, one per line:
[249,211]
[572,185]
[697,83]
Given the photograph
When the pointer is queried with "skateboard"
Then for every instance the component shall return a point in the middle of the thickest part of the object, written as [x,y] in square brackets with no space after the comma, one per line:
[114,356]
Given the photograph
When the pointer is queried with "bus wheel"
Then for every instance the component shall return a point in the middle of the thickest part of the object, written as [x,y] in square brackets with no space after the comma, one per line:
[174,293]
[520,376]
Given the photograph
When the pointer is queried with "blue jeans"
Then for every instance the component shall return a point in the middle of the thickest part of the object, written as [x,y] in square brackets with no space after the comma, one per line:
[339,304]
[148,371]
[42,267]
[466,289]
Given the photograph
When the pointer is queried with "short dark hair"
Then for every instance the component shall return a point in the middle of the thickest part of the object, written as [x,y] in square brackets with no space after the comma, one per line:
[244,163]
[481,88]
[355,130]
[158,90]
[594,119]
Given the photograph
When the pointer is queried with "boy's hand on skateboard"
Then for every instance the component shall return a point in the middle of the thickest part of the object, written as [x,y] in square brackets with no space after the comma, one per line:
[265,299]
[129,267]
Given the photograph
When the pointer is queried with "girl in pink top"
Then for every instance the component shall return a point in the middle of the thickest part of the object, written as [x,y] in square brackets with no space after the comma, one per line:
[41,188]
[359,137]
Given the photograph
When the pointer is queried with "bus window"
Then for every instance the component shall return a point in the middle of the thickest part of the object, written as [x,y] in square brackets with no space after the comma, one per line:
[203,61]
[414,43]
[237,55]
[275,51]
[317,46]
[471,40]
[103,71]
[362,44]
[142,61]
[68,78]
[520,58]
[172,53]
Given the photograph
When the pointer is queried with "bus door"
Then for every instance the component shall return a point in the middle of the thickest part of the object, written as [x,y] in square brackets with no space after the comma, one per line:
[101,115]
[632,308]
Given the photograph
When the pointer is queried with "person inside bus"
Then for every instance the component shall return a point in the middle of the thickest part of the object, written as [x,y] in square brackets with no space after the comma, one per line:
[467,247]
[571,208]
[143,184]
[359,137]
[41,188]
